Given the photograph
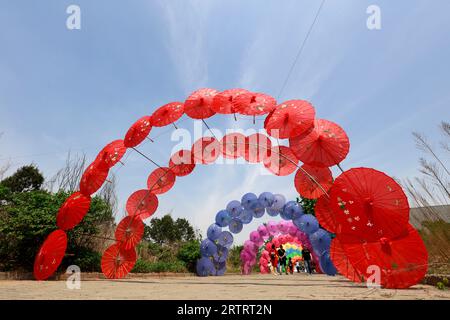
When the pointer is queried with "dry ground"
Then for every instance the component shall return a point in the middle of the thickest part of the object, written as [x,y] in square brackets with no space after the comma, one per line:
[225,287]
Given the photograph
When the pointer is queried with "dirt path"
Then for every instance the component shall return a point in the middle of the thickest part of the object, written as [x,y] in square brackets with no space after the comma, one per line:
[226,287]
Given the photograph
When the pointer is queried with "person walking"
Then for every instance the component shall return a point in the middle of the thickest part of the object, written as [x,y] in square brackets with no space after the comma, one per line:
[306,254]
[282,259]
[273,259]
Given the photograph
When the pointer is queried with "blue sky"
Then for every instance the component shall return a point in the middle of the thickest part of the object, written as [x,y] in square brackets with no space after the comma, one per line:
[77,90]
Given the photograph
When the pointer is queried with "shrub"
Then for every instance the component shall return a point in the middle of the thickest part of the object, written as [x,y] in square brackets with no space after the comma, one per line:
[143,266]
[188,253]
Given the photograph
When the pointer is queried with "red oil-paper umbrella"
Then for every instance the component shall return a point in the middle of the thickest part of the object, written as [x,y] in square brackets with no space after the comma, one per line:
[370,204]
[253,104]
[129,231]
[281,162]
[117,262]
[161,180]
[198,104]
[93,178]
[312,182]
[181,163]
[73,211]
[290,119]
[50,255]
[142,203]
[167,114]
[400,261]
[111,154]
[232,145]
[205,150]
[325,215]
[342,262]
[223,101]
[257,148]
[138,132]
[325,145]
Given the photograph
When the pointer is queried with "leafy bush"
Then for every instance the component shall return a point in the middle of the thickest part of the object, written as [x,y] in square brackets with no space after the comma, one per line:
[143,266]
[87,259]
[188,253]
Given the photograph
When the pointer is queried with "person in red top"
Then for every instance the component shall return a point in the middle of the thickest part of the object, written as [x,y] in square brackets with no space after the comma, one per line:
[273,258]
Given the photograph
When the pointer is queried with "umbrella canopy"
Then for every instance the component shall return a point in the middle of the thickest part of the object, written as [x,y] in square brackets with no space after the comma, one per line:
[253,104]
[234,208]
[370,204]
[290,119]
[273,212]
[266,199]
[257,148]
[308,186]
[92,179]
[246,216]
[213,232]
[223,101]
[50,255]
[307,223]
[320,241]
[403,260]
[117,261]
[73,211]
[235,225]
[282,161]
[167,114]
[325,146]
[325,214]
[225,239]
[278,201]
[258,209]
[161,180]
[205,150]
[208,248]
[326,265]
[129,231]
[342,263]
[142,203]
[181,163]
[111,154]
[198,104]
[223,218]
[232,145]
[138,132]
[204,267]
[249,201]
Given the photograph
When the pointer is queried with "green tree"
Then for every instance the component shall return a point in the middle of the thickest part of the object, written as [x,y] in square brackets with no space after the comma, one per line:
[166,230]
[26,178]
[26,219]
[307,204]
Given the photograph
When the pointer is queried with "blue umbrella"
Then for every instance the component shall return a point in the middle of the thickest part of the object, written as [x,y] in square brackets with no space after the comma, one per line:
[225,239]
[221,255]
[292,210]
[223,218]
[278,201]
[320,240]
[266,198]
[208,248]
[258,210]
[246,216]
[205,267]
[248,200]
[221,267]
[235,225]
[273,212]
[326,264]
[308,224]
[213,231]
[234,208]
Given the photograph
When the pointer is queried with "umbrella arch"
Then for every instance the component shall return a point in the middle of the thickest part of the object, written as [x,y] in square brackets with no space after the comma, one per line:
[317,143]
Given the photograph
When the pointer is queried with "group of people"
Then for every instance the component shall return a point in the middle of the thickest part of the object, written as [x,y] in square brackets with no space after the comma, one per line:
[279,263]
